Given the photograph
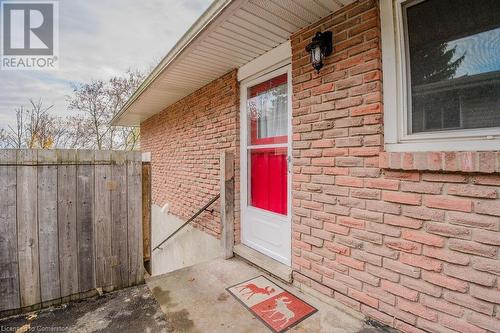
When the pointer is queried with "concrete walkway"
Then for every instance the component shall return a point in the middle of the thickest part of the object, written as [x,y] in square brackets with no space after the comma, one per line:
[194,299]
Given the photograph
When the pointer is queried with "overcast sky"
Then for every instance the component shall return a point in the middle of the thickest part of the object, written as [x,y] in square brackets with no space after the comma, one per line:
[98,39]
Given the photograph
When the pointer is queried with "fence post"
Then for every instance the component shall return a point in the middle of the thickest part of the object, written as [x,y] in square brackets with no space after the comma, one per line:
[227,202]
[146,209]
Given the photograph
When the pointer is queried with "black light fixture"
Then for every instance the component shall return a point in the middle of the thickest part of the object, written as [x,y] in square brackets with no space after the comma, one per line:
[319,48]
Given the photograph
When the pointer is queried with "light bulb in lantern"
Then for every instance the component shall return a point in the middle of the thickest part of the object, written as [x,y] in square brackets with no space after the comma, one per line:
[319,48]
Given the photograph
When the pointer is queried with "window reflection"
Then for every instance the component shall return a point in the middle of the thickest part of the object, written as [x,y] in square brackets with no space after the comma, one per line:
[454,55]
[267,107]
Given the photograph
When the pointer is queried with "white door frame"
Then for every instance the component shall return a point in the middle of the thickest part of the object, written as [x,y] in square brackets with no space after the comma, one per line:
[244,165]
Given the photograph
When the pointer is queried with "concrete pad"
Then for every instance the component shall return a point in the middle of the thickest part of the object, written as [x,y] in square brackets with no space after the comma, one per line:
[195,300]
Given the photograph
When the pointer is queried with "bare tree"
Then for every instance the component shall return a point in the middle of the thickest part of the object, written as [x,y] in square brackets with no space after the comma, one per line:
[3,138]
[78,135]
[90,100]
[14,137]
[119,90]
[35,128]
[42,129]
[98,102]
[94,104]
[128,137]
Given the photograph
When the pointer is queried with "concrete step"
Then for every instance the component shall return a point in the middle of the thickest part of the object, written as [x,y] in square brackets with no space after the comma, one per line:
[189,247]
[264,262]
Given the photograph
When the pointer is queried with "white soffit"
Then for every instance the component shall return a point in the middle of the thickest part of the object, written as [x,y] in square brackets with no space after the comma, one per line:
[230,34]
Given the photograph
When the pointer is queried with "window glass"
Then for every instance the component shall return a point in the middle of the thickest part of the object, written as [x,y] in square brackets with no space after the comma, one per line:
[267,108]
[454,56]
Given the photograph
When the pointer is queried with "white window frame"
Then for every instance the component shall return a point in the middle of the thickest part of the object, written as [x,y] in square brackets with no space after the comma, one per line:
[396,81]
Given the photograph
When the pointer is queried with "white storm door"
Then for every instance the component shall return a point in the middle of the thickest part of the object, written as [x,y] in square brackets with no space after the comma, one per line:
[266,164]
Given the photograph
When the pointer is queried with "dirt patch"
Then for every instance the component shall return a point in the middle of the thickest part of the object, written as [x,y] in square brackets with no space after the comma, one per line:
[223,297]
[177,321]
[128,310]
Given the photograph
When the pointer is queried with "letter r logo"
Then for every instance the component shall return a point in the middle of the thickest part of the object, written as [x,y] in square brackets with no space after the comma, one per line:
[28,28]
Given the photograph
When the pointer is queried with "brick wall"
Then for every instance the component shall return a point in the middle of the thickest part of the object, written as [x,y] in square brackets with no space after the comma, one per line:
[415,249]
[185,141]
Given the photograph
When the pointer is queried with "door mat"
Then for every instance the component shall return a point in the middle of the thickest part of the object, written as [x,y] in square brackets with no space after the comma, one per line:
[274,306]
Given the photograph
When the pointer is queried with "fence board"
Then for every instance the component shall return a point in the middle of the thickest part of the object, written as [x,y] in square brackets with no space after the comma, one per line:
[102,220]
[66,216]
[84,221]
[70,221]
[119,241]
[47,226]
[134,175]
[27,232]
[9,269]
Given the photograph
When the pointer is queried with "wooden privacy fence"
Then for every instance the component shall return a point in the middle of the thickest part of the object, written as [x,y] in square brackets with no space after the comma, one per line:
[70,222]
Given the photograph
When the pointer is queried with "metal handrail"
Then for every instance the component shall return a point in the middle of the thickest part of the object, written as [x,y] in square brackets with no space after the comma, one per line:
[188,221]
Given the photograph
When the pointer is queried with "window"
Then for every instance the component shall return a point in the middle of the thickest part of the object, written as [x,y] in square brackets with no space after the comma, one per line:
[444,90]
[268,111]
[267,127]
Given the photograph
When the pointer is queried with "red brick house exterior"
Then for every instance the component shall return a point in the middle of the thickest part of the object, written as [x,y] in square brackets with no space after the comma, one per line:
[410,239]
[185,141]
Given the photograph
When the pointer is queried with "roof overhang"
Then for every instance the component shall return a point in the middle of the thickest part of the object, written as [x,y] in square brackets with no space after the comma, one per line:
[230,34]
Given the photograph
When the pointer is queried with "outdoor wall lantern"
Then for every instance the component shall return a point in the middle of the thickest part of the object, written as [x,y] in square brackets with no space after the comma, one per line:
[319,48]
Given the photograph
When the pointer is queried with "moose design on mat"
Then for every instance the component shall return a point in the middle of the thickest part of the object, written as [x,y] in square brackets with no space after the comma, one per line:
[252,289]
[275,307]
[284,314]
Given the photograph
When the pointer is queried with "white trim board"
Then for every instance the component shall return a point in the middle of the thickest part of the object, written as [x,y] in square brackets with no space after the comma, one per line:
[275,58]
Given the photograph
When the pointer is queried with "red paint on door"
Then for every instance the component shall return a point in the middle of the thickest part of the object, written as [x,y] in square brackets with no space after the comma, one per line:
[268,181]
